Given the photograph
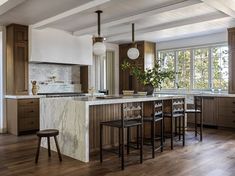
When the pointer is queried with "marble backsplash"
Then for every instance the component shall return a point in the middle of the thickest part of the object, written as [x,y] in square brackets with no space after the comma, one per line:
[55,77]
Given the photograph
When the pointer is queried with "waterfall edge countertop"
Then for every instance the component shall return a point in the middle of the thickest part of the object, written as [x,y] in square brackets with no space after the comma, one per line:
[71,116]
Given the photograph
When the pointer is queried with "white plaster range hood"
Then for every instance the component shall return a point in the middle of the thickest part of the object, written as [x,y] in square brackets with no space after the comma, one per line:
[56,46]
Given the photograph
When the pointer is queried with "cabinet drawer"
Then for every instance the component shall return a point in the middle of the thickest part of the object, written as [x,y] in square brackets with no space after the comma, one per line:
[226,102]
[27,112]
[28,102]
[28,124]
[227,111]
[227,121]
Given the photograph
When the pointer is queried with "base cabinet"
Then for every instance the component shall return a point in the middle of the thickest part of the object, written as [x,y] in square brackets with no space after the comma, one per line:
[217,111]
[22,116]
[209,111]
[226,117]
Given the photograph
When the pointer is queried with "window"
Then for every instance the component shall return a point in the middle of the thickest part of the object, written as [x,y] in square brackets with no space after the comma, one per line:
[167,62]
[183,69]
[220,67]
[201,68]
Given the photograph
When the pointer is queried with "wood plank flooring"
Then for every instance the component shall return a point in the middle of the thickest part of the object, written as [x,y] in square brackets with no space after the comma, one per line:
[215,156]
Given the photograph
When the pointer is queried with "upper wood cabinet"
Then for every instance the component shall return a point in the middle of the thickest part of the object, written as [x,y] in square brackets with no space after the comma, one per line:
[231,46]
[17,59]
[146,58]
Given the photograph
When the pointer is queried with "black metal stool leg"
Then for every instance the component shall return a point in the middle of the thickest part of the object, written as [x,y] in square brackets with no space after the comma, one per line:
[153,138]
[119,142]
[101,143]
[58,149]
[183,130]
[49,146]
[38,150]
[172,134]
[137,137]
[195,116]
[141,143]
[176,129]
[123,148]
[128,140]
[162,135]
[201,127]
[179,128]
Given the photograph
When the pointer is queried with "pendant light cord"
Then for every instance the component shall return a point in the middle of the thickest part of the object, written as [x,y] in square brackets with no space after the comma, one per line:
[98,20]
[133,33]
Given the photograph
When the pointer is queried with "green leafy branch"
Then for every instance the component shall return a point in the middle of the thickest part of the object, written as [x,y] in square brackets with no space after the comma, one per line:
[154,76]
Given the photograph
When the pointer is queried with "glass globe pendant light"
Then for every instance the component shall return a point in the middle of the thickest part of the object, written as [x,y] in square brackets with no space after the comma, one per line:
[133,52]
[99,47]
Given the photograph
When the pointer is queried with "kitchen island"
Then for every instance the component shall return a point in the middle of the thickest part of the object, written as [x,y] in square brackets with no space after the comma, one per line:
[78,119]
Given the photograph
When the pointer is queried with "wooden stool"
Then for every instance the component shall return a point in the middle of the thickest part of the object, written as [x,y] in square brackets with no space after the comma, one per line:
[48,133]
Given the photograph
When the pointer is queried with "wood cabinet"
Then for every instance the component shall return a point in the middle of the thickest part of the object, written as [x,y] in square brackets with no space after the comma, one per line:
[231,45]
[147,55]
[17,60]
[22,116]
[210,111]
[226,117]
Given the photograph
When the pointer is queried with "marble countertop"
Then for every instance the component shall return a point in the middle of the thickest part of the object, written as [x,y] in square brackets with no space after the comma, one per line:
[125,99]
[23,96]
[204,94]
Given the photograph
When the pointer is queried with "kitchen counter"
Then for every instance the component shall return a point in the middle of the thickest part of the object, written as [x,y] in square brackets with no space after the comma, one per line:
[23,96]
[204,94]
[124,99]
[73,117]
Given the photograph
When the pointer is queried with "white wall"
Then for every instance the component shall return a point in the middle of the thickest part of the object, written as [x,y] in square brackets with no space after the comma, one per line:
[111,47]
[193,41]
[57,46]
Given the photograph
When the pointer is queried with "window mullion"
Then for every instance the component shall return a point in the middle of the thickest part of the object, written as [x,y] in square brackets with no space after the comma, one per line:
[176,69]
[191,69]
[210,71]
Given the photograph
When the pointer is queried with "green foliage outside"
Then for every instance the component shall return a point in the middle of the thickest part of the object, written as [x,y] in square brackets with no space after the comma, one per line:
[201,71]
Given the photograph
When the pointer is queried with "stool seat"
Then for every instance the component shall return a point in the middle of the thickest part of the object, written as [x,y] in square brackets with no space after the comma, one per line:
[48,133]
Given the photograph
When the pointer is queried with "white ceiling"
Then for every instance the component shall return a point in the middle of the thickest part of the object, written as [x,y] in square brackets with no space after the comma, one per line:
[156,20]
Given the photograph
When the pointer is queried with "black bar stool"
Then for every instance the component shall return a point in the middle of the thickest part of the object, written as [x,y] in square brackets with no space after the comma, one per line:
[48,133]
[157,116]
[197,110]
[175,110]
[131,116]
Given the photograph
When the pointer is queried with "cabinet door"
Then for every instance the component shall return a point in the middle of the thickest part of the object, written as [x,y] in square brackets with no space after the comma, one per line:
[209,111]
[20,33]
[21,68]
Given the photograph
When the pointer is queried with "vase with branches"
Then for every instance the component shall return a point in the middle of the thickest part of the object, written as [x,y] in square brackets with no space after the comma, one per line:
[151,77]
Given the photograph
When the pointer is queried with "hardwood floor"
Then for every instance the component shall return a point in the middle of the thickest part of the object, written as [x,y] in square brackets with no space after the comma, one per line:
[215,156]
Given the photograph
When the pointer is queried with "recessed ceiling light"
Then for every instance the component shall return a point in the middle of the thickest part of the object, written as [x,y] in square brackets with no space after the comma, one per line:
[3,2]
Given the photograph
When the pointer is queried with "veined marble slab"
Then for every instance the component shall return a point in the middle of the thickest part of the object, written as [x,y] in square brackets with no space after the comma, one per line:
[71,117]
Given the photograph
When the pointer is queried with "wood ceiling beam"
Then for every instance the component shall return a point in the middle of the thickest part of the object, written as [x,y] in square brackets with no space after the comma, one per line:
[68,13]
[220,5]
[147,13]
[170,25]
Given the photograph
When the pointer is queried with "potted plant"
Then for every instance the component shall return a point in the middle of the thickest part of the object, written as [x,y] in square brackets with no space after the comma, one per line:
[150,78]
